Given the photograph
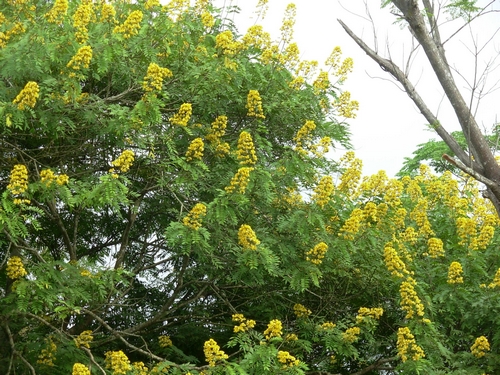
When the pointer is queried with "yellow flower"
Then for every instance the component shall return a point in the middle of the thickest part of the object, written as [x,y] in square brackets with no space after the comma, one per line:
[352,172]
[304,135]
[84,339]
[182,117]
[225,41]
[58,11]
[435,246]
[131,25]
[407,346]
[28,96]
[213,353]
[140,368]
[124,161]
[240,180]
[301,311]
[393,262]
[80,60]
[345,106]
[480,347]
[117,362]
[247,238]
[79,369]
[108,12]
[165,341]
[287,359]
[246,150]
[291,337]
[321,83]
[323,191]
[352,224]
[195,150]
[48,354]
[455,273]
[15,268]
[154,77]
[496,280]
[374,313]
[193,218]
[410,302]
[274,329]
[288,24]
[317,253]
[48,177]
[328,326]
[245,324]
[254,104]
[351,334]
[18,179]
[81,19]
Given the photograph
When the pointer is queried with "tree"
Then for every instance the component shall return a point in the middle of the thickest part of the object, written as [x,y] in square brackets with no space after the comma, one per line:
[423,21]
[167,207]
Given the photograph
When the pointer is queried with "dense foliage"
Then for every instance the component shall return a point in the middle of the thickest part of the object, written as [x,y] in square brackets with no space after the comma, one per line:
[167,207]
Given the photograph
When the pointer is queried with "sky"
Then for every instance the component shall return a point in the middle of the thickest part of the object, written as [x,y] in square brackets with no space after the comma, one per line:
[388,126]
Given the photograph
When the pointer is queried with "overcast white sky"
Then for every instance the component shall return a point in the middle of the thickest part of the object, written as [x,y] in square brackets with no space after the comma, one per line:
[388,126]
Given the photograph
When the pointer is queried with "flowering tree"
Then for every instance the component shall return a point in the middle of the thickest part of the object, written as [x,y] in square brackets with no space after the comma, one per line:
[167,208]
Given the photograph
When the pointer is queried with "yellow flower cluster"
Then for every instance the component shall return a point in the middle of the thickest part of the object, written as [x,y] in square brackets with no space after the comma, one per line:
[322,83]
[117,362]
[226,43]
[48,177]
[48,354]
[254,104]
[194,217]
[81,19]
[195,150]
[291,337]
[240,180]
[108,12]
[80,60]
[155,76]
[84,339]
[165,341]
[131,25]
[256,37]
[363,312]
[80,369]
[410,235]
[435,247]
[245,324]
[480,347]
[496,280]
[247,238]
[28,96]
[207,20]
[246,150]
[58,11]
[345,106]
[274,329]
[140,368]
[371,212]
[407,346]
[18,179]
[328,326]
[317,253]
[410,302]
[322,147]
[485,236]
[344,68]
[124,161]
[323,191]
[182,117]
[217,130]
[455,273]
[151,4]
[287,359]
[419,214]
[301,311]
[466,230]
[351,334]
[213,353]
[15,268]
[352,173]
[303,137]
[352,224]
[288,24]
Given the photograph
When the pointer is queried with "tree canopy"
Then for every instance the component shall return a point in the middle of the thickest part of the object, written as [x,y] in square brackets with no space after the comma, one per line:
[168,208]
